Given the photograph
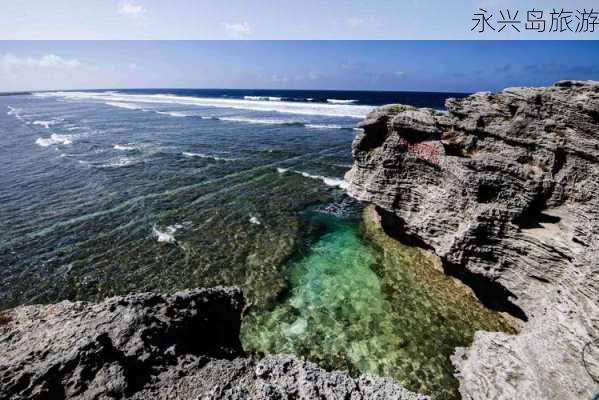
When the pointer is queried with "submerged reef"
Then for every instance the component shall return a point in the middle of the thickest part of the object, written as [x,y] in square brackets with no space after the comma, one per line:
[362,302]
[504,189]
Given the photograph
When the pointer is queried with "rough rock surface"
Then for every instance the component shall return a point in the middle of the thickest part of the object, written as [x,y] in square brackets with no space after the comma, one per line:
[504,188]
[149,346]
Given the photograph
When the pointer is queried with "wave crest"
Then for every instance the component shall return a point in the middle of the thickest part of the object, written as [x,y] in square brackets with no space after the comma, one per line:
[263,98]
[341,108]
[202,155]
[46,124]
[329,181]
[54,139]
[338,101]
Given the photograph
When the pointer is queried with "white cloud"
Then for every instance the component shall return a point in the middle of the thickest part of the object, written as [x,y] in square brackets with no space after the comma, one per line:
[355,21]
[238,28]
[400,74]
[353,65]
[131,9]
[279,78]
[12,64]
[50,70]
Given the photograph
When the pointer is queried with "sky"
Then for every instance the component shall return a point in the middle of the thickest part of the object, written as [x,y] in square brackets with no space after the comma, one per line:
[444,66]
[273,19]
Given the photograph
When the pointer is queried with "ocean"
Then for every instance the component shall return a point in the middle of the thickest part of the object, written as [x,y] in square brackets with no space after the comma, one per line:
[110,192]
[98,186]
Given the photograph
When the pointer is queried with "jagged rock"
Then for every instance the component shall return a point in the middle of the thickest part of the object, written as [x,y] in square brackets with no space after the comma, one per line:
[504,188]
[182,346]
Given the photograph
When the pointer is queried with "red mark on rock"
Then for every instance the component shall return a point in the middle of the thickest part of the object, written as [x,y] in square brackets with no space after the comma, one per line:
[421,150]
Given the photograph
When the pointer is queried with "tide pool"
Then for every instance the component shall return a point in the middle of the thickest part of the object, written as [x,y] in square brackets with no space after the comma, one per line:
[360,301]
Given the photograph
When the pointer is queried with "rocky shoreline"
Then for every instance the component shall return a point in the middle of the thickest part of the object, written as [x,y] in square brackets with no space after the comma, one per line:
[503,188]
[180,346]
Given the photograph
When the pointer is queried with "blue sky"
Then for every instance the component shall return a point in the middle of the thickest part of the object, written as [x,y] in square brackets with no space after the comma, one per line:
[462,66]
[268,19]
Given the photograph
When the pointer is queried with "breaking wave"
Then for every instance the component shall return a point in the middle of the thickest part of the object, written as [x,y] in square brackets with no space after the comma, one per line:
[46,124]
[332,109]
[54,139]
[202,155]
[121,162]
[173,114]
[14,112]
[333,182]
[337,101]
[263,98]
[167,235]
[128,106]
[264,121]
[327,126]
[125,147]
[259,121]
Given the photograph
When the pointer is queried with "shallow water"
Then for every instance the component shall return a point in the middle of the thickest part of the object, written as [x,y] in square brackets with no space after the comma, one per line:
[336,312]
[360,301]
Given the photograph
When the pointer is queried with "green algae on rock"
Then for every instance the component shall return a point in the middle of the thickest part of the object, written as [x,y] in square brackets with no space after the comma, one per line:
[360,301]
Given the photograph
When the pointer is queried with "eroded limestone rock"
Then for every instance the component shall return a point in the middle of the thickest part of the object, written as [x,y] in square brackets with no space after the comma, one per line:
[505,189]
[149,346]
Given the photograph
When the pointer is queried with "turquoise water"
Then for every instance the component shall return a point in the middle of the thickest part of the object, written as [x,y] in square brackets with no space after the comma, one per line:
[336,312]
[359,301]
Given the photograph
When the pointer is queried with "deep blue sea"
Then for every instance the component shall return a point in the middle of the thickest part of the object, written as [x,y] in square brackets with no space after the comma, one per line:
[108,192]
[94,184]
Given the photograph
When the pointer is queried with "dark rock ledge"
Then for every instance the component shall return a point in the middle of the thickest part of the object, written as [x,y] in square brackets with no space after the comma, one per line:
[504,188]
[149,346]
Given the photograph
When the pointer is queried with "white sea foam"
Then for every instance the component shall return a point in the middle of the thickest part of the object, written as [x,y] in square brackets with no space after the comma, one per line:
[173,114]
[326,126]
[348,166]
[46,124]
[167,235]
[334,182]
[128,106]
[120,162]
[14,112]
[260,121]
[125,147]
[336,101]
[54,139]
[262,98]
[264,121]
[304,108]
[202,155]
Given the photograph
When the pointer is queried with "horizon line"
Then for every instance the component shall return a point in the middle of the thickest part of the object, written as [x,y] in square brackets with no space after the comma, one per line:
[31,91]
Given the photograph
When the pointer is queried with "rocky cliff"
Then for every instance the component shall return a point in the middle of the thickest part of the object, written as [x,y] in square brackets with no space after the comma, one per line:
[184,346]
[504,188]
